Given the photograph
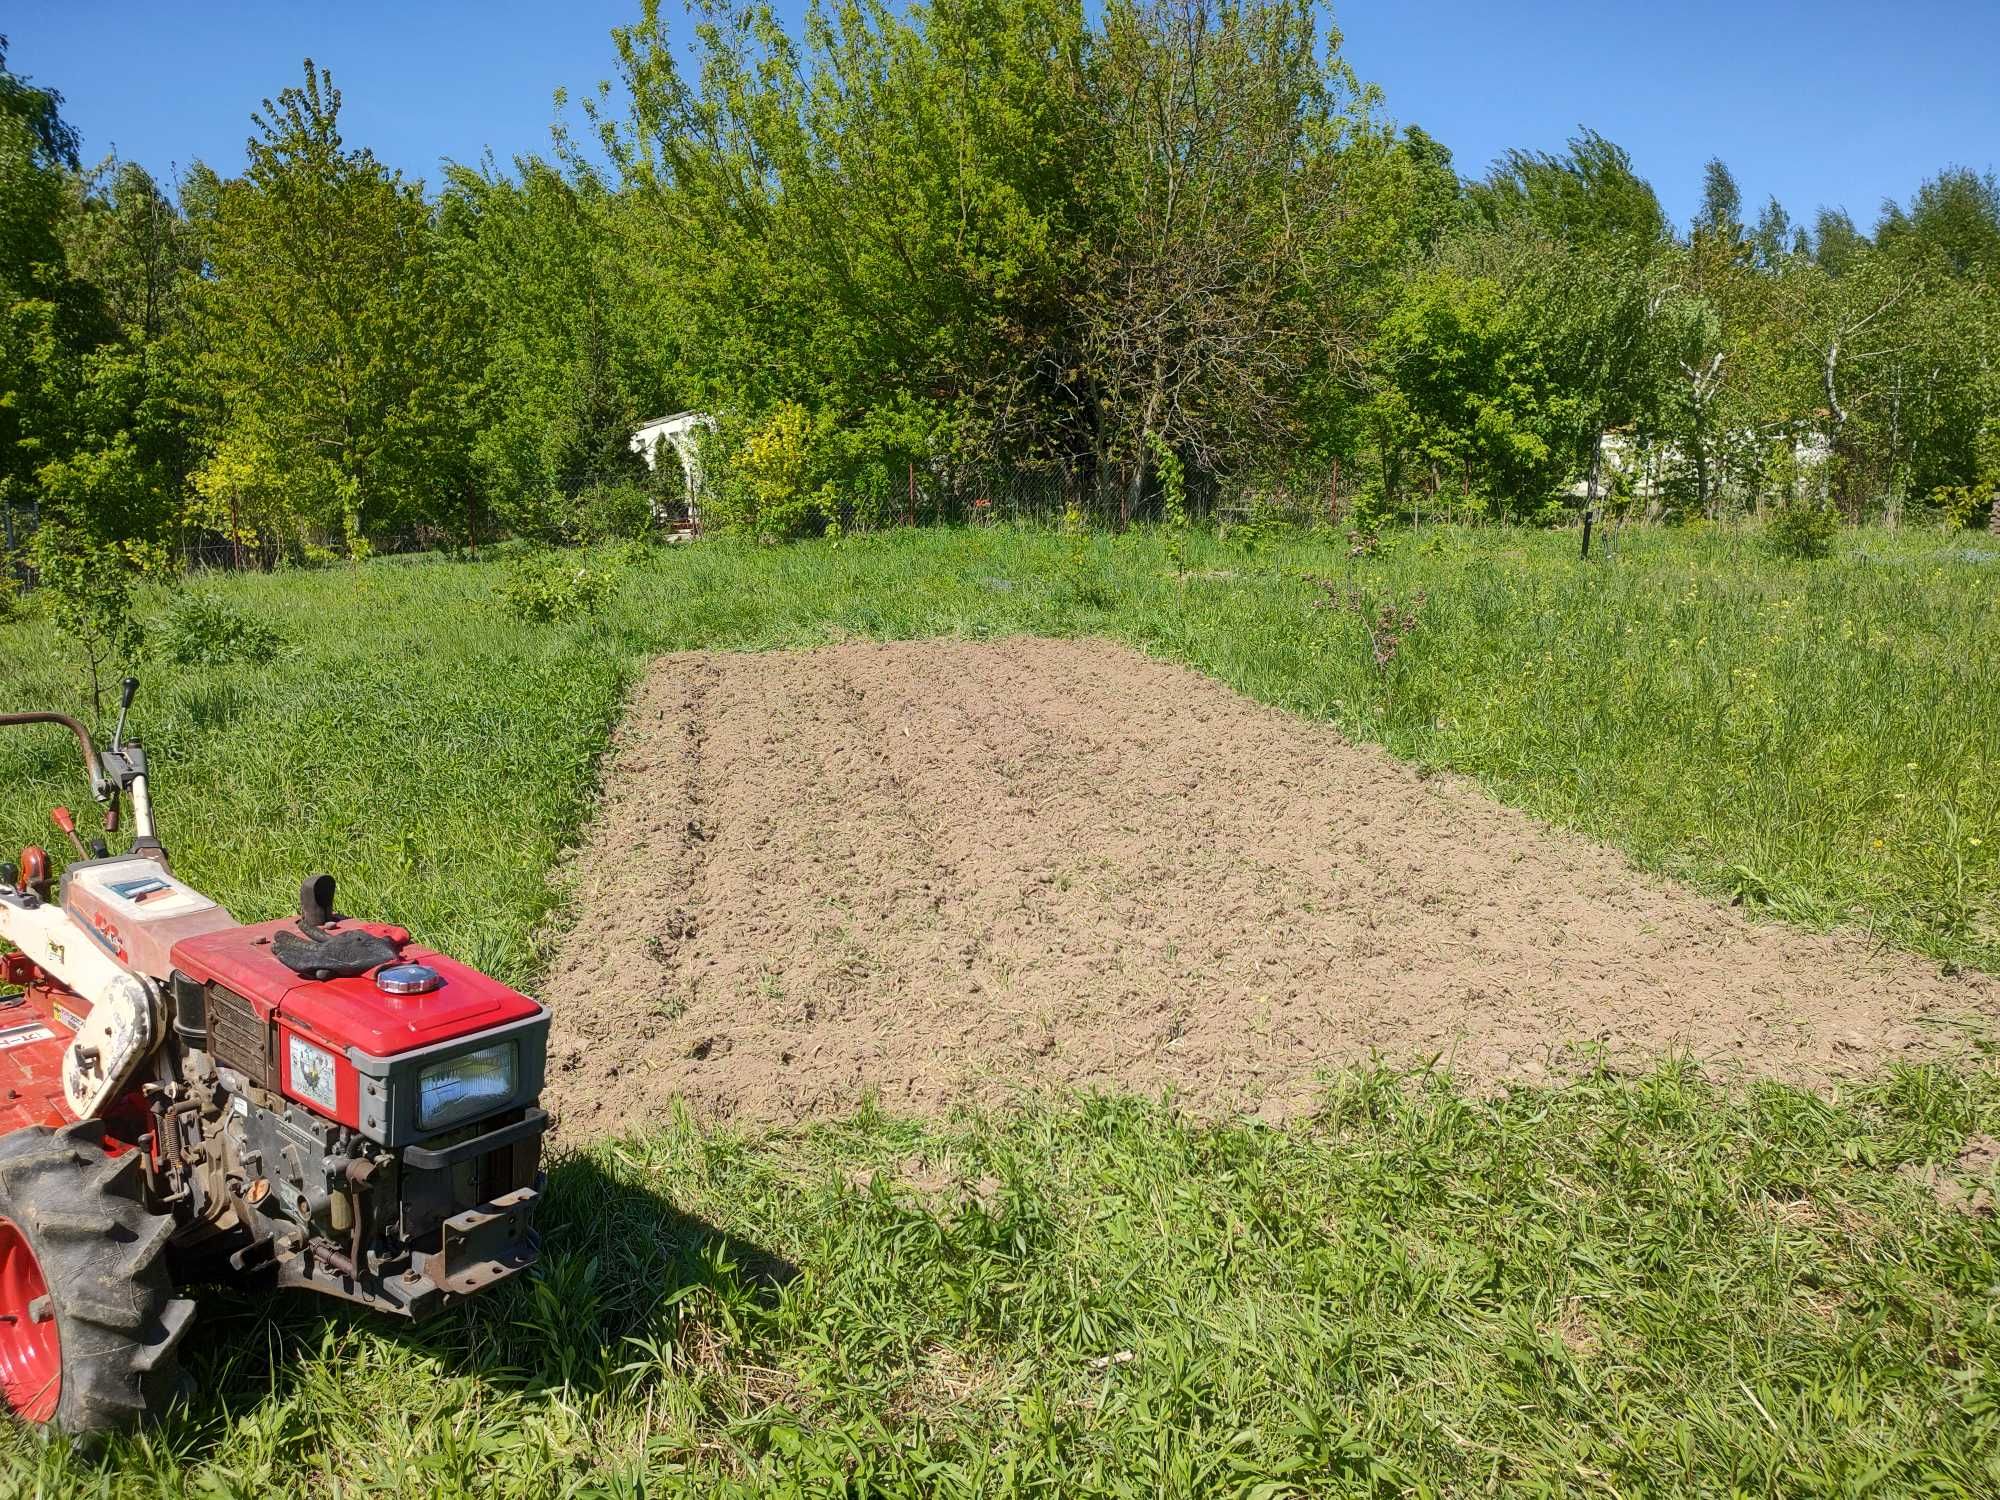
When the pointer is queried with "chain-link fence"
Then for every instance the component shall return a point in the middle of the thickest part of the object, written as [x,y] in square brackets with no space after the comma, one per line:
[18,523]
[1046,494]
[892,493]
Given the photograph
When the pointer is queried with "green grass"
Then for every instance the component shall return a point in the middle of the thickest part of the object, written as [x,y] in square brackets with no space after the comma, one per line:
[1626,1287]
[1817,740]
[1633,1286]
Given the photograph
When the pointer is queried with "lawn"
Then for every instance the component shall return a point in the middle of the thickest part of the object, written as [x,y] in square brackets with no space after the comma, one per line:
[1642,1285]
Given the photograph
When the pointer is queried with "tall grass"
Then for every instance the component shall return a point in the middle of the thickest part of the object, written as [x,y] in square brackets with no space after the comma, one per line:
[1631,1286]
[1624,1287]
[1817,740]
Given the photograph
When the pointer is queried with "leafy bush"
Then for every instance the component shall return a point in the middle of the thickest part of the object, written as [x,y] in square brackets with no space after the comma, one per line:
[548,587]
[1079,580]
[1173,499]
[1977,503]
[875,498]
[88,583]
[1268,518]
[789,472]
[1804,529]
[1621,492]
[206,630]
[613,513]
[1954,507]
[635,553]
[768,489]
[869,460]
[1552,512]
[1369,507]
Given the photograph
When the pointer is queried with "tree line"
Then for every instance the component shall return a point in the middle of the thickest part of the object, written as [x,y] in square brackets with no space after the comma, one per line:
[904,242]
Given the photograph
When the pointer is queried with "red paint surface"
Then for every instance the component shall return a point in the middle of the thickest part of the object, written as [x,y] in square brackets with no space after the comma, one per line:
[31,1090]
[30,1352]
[334,1013]
[343,1013]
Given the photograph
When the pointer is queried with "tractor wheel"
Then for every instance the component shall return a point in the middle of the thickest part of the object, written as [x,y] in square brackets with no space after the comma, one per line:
[88,1318]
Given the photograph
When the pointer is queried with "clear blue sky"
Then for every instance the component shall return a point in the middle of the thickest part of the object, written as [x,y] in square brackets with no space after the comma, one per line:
[1837,102]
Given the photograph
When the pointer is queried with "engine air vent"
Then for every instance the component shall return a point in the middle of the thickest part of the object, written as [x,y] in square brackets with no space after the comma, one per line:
[236,1038]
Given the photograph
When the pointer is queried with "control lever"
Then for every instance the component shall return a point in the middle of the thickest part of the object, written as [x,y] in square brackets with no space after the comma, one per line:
[60,816]
[128,690]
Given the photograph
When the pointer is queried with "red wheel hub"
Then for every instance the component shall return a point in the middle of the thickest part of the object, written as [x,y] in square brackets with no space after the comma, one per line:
[30,1352]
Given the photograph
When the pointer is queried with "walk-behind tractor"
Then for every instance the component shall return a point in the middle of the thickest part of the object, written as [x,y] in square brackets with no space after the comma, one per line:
[315,1102]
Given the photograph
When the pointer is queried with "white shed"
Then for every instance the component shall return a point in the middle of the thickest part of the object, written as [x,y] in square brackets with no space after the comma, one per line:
[682,432]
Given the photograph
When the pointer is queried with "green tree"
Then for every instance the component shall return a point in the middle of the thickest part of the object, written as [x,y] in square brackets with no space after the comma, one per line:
[1505,362]
[569,361]
[1697,415]
[882,213]
[1775,236]
[1438,206]
[126,238]
[49,319]
[1226,134]
[1954,216]
[136,405]
[1001,229]
[38,111]
[1721,211]
[1836,243]
[1588,196]
[336,350]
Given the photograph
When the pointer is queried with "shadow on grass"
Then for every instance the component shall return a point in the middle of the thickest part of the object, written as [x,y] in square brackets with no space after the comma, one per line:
[627,1280]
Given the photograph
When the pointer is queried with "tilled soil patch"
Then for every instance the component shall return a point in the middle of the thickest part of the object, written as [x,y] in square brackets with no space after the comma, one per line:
[937,872]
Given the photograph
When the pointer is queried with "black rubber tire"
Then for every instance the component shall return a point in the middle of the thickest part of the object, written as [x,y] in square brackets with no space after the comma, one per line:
[103,1256]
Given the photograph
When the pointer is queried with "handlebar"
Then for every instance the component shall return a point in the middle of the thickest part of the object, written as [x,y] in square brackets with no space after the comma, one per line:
[90,762]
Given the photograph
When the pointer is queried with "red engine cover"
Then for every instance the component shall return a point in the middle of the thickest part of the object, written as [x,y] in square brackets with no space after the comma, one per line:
[347,1013]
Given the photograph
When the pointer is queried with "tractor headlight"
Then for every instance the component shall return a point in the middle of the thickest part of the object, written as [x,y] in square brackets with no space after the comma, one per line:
[466,1086]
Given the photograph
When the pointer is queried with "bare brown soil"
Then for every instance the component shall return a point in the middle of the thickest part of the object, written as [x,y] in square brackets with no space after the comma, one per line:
[939,872]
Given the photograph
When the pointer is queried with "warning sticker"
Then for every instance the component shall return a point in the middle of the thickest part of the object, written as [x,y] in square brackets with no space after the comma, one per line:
[24,1035]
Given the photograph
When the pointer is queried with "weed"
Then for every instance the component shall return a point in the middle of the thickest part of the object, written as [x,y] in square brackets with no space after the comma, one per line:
[204,629]
[1805,530]
[610,513]
[1386,622]
[550,586]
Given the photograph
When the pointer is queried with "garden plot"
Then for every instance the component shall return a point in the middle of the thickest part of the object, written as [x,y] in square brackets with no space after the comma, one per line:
[942,872]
